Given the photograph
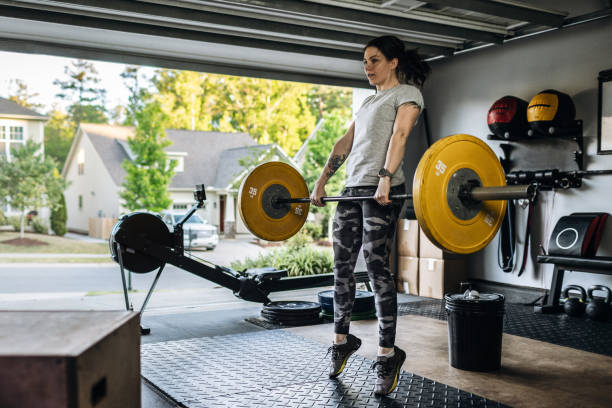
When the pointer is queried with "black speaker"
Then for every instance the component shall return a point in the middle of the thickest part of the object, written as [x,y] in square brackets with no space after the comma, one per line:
[577,234]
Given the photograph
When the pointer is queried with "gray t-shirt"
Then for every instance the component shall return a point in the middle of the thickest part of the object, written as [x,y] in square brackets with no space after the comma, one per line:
[373,131]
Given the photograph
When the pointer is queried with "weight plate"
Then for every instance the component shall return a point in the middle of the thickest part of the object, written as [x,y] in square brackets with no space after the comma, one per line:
[145,226]
[289,306]
[256,206]
[430,186]
[364,301]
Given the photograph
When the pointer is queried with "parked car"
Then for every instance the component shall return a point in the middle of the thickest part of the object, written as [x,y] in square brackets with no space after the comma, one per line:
[197,233]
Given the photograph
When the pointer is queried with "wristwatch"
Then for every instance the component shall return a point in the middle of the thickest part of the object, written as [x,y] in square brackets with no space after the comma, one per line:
[385,173]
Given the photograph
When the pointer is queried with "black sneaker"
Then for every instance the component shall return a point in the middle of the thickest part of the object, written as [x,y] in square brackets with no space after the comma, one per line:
[341,353]
[388,370]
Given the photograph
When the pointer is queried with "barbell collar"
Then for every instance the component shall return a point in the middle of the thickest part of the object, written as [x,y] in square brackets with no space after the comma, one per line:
[502,192]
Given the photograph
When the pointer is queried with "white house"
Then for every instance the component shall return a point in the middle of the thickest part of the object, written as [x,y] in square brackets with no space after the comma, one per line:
[18,124]
[93,168]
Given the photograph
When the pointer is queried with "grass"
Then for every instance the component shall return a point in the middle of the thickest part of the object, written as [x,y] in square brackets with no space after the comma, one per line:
[56,245]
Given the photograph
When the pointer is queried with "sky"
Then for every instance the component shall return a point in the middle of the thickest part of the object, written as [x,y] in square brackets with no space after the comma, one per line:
[39,71]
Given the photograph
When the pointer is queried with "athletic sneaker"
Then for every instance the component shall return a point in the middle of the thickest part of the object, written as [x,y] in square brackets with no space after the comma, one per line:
[341,353]
[388,370]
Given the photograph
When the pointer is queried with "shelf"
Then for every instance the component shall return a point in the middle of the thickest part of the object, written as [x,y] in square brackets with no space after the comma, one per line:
[562,150]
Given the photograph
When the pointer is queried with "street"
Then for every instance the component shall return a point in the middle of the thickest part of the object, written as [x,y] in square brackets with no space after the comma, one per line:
[99,287]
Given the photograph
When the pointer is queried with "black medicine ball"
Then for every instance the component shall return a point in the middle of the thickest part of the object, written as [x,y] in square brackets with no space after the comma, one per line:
[550,108]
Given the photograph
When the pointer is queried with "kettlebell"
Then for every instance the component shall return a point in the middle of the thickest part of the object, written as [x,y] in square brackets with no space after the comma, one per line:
[598,309]
[574,306]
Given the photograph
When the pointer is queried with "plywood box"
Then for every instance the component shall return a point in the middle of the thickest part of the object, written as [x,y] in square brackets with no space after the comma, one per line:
[427,249]
[440,276]
[407,237]
[408,274]
[69,359]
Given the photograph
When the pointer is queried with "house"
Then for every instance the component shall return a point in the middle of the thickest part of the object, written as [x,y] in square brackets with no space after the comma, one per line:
[18,124]
[95,172]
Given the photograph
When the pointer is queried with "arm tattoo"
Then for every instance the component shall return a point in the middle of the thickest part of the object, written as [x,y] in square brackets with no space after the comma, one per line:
[334,163]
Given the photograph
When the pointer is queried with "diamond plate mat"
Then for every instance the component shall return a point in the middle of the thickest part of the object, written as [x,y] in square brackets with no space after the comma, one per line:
[576,332]
[280,369]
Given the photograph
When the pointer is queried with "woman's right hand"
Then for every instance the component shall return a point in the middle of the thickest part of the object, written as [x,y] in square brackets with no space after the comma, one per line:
[317,193]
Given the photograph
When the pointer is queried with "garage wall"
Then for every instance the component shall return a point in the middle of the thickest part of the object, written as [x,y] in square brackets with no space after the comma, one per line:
[460,91]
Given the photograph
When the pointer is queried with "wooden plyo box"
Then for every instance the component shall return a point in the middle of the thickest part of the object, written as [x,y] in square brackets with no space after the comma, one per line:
[71,359]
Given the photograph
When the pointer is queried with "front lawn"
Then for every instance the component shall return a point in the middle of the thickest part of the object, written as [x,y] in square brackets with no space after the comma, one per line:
[54,245]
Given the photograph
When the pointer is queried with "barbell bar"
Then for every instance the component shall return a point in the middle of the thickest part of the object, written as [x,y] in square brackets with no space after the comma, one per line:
[459,196]
[475,193]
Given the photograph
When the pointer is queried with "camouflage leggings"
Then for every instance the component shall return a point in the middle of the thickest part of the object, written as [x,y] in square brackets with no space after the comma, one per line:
[373,225]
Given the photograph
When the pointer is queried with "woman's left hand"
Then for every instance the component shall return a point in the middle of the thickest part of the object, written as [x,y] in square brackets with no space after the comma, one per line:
[382,192]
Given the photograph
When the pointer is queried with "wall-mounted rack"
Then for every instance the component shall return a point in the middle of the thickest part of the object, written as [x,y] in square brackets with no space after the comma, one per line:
[559,148]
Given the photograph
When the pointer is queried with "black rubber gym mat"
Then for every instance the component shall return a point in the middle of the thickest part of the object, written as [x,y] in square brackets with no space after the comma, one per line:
[576,332]
[280,369]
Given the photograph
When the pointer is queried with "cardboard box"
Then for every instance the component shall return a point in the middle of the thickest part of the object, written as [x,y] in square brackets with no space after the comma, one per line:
[427,249]
[70,359]
[440,276]
[407,237]
[408,274]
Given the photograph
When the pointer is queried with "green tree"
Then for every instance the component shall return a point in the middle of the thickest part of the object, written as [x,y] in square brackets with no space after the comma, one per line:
[81,89]
[59,217]
[192,100]
[137,96]
[319,147]
[30,180]
[58,135]
[270,111]
[150,172]
[20,94]
[324,99]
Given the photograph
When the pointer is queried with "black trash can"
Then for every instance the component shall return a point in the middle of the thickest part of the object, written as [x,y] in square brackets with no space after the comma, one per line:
[475,326]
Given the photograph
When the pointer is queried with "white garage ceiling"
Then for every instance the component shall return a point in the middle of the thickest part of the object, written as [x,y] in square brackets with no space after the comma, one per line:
[316,41]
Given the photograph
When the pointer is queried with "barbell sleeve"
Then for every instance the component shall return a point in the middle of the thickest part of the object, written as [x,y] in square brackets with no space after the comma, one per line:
[502,192]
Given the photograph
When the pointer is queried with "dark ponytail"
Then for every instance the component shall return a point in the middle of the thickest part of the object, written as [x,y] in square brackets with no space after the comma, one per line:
[411,68]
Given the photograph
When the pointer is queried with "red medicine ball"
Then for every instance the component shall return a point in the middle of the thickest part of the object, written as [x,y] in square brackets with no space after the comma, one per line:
[507,117]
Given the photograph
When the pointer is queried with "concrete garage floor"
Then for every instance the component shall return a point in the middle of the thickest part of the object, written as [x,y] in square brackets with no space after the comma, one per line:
[533,373]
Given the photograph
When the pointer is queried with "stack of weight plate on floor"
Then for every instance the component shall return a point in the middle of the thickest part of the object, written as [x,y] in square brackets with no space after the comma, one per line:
[292,313]
[363,308]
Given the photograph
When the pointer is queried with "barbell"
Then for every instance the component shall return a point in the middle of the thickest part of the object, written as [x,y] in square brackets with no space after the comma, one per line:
[459,195]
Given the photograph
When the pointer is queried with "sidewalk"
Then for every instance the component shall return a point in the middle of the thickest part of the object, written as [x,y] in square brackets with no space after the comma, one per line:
[51,255]
[85,238]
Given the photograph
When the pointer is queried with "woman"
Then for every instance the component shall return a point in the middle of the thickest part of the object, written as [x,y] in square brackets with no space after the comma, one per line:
[374,145]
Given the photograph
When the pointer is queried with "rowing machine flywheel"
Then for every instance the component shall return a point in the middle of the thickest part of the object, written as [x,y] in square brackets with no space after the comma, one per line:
[143,227]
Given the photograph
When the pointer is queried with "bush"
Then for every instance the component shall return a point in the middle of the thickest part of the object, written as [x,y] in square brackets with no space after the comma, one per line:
[3,220]
[39,226]
[298,262]
[299,240]
[59,217]
[15,222]
[313,230]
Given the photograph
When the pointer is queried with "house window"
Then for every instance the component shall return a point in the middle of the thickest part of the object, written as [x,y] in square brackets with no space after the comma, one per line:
[179,206]
[81,162]
[180,163]
[11,138]
[16,132]
[80,202]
